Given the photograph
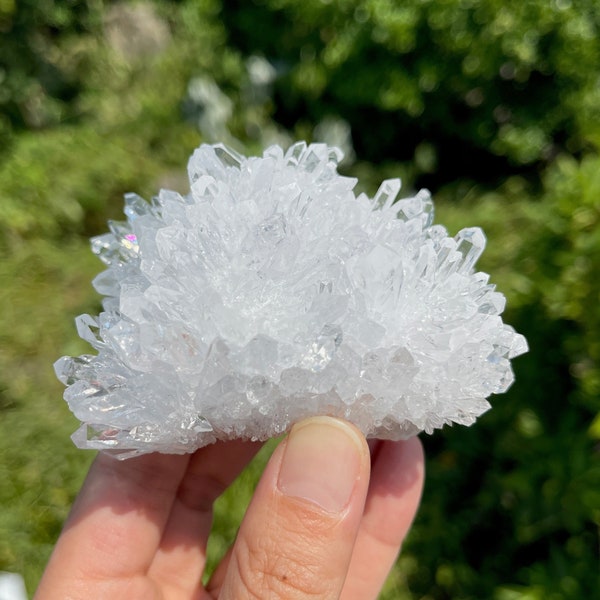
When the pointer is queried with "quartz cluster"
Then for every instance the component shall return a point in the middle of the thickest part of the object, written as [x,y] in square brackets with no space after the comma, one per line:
[271,292]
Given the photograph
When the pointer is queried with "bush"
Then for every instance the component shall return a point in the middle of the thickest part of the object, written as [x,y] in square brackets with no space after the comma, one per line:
[570,277]
[492,86]
[512,506]
[42,62]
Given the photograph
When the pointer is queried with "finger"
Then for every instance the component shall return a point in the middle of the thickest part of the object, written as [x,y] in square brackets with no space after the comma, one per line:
[116,523]
[181,556]
[218,577]
[297,537]
[394,493]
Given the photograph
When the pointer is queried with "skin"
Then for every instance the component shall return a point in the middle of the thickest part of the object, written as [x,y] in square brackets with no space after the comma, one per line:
[326,521]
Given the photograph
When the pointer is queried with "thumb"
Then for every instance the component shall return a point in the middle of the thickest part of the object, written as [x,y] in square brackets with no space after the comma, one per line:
[297,538]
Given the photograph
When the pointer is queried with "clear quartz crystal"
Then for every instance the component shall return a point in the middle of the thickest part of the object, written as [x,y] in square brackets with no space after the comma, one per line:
[271,292]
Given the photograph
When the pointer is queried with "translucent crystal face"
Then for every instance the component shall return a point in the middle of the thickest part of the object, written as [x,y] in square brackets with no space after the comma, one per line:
[271,293]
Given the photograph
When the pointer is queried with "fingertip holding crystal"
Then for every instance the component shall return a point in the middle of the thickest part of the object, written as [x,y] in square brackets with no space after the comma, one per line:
[271,293]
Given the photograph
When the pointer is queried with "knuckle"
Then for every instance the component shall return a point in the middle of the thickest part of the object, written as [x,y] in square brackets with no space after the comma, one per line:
[199,491]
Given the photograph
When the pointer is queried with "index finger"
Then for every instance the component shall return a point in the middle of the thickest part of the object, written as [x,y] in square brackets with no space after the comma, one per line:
[117,521]
[143,520]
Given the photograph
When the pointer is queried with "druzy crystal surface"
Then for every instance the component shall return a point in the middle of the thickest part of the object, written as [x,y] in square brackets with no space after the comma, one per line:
[271,292]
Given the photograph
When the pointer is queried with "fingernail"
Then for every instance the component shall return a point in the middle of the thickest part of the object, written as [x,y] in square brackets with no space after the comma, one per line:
[321,463]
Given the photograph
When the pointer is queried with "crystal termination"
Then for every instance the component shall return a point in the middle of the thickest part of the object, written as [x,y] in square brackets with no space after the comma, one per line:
[271,292]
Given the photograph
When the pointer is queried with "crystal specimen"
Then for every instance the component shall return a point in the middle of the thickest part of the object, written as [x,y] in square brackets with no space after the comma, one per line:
[271,292]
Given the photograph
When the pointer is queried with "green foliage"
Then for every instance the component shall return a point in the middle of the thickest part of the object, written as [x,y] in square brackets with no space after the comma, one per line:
[480,81]
[56,180]
[41,59]
[446,91]
[69,179]
[516,496]
[43,286]
[571,275]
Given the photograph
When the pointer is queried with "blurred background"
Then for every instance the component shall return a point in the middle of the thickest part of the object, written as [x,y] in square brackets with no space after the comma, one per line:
[492,104]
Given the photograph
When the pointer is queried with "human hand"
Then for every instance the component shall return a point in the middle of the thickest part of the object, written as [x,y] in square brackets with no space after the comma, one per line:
[326,521]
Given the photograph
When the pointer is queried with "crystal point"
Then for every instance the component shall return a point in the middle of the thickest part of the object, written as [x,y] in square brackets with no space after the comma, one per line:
[386,194]
[471,243]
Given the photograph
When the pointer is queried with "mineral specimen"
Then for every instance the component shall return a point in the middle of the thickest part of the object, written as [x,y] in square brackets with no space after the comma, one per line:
[271,292]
